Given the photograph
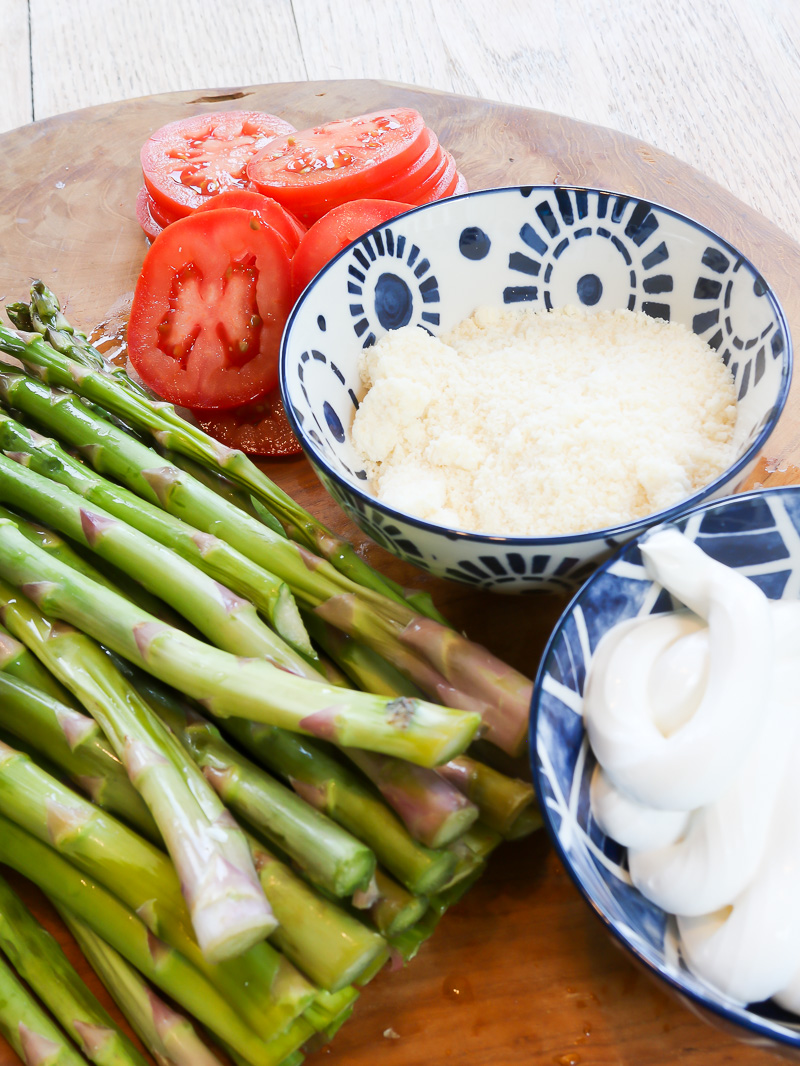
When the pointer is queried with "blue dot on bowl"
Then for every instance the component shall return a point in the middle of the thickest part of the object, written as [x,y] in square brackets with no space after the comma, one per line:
[393,302]
[590,289]
[474,243]
[321,323]
[334,422]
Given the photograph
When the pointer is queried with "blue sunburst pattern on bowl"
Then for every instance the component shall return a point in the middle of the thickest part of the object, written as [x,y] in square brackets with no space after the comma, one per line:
[758,533]
[544,246]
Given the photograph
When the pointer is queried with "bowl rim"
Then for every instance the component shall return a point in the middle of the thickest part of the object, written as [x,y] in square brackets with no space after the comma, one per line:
[754,1022]
[622,531]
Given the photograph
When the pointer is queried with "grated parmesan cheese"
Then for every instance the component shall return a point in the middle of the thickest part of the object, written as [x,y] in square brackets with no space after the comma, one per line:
[524,422]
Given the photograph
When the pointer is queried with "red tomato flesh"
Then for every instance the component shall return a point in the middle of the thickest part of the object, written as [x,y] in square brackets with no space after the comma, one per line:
[259,428]
[334,231]
[270,211]
[317,169]
[209,309]
[188,161]
[461,185]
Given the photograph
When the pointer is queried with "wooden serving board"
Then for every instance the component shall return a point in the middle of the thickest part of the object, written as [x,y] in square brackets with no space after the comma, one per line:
[520,971]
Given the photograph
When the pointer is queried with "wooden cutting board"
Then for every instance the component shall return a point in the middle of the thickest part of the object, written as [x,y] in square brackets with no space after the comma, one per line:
[520,971]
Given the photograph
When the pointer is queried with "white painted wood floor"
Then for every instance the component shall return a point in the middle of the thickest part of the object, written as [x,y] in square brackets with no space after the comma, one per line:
[715,83]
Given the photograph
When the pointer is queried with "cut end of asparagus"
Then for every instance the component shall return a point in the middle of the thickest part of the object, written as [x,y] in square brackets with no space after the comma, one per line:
[224,931]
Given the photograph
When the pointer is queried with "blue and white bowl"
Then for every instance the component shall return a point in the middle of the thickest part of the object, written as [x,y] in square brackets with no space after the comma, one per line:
[546,246]
[758,533]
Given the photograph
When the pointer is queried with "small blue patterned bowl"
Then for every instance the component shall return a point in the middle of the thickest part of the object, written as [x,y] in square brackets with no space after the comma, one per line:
[546,246]
[758,533]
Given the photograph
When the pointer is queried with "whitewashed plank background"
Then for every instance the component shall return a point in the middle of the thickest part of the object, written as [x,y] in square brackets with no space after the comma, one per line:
[715,83]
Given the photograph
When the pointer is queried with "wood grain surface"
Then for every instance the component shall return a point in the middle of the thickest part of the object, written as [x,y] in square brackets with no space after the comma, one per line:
[520,971]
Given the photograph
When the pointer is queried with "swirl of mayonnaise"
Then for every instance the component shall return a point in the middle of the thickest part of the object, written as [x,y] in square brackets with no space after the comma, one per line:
[693,764]
[728,865]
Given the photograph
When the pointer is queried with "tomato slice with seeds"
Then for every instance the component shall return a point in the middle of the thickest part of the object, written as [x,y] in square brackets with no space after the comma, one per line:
[334,231]
[188,161]
[259,428]
[209,309]
[461,185]
[270,211]
[317,169]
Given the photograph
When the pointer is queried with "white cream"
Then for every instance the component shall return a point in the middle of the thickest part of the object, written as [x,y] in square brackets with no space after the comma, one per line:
[693,764]
[695,722]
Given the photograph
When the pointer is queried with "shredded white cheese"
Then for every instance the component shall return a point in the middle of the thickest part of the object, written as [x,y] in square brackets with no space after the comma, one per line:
[525,422]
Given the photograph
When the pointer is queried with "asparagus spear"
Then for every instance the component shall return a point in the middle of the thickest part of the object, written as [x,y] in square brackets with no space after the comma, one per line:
[433,810]
[19,662]
[146,532]
[229,912]
[326,853]
[168,1036]
[128,934]
[38,959]
[441,662]
[325,943]
[392,908]
[226,685]
[332,948]
[261,985]
[50,542]
[344,796]
[528,822]
[30,1032]
[501,799]
[77,746]
[162,420]
[228,621]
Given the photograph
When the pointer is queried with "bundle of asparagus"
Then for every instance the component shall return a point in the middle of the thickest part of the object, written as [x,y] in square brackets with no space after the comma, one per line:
[173,660]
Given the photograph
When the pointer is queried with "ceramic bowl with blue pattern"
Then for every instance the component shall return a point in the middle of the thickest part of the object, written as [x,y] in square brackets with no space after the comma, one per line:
[545,246]
[757,533]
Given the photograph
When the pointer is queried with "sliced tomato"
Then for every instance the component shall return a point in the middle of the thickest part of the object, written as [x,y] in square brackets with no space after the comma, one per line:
[440,185]
[259,428]
[267,209]
[335,231]
[461,185]
[209,309]
[188,161]
[317,169]
[144,214]
[161,214]
[402,186]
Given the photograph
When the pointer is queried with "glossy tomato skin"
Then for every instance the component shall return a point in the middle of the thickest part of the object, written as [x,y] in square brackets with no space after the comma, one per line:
[314,170]
[186,162]
[259,428]
[209,309]
[270,211]
[334,231]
